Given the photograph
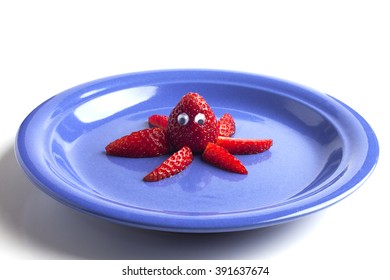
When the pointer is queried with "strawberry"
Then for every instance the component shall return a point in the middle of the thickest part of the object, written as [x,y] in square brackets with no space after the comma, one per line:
[171,166]
[226,125]
[144,143]
[192,123]
[158,121]
[220,157]
[238,146]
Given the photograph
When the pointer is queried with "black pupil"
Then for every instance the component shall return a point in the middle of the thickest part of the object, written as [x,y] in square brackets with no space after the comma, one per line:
[182,120]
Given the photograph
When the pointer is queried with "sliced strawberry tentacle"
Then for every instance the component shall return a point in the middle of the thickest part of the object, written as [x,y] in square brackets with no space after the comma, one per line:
[226,125]
[160,121]
[220,157]
[240,146]
[149,142]
[175,164]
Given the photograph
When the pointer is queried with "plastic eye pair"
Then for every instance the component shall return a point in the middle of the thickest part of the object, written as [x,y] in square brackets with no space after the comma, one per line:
[183,119]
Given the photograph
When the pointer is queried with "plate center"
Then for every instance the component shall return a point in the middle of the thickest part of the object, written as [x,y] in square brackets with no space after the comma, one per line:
[300,159]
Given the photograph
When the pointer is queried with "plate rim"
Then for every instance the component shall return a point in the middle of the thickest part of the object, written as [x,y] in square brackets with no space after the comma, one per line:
[184,223]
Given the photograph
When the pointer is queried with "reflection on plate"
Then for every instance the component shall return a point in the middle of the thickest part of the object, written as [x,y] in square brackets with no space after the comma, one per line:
[322,152]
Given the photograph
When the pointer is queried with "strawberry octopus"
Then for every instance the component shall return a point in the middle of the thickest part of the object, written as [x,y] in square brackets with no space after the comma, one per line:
[191,128]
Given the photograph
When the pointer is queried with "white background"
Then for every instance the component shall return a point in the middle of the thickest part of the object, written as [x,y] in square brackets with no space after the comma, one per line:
[338,47]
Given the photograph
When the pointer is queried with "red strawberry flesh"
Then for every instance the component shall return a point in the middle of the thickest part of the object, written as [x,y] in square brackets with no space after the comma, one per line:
[171,166]
[226,125]
[192,123]
[239,146]
[160,121]
[220,157]
[144,143]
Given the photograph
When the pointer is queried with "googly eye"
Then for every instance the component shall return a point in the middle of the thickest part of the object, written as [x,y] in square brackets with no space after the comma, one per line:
[200,119]
[183,119]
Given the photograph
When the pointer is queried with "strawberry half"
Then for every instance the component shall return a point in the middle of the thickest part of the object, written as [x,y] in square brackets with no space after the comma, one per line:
[144,143]
[160,121]
[192,123]
[239,146]
[220,157]
[226,125]
[171,166]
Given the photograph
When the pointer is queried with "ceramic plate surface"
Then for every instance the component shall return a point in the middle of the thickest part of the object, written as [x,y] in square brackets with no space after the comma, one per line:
[323,151]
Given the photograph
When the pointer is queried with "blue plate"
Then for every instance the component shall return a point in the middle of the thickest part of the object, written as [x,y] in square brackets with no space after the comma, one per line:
[322,152]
